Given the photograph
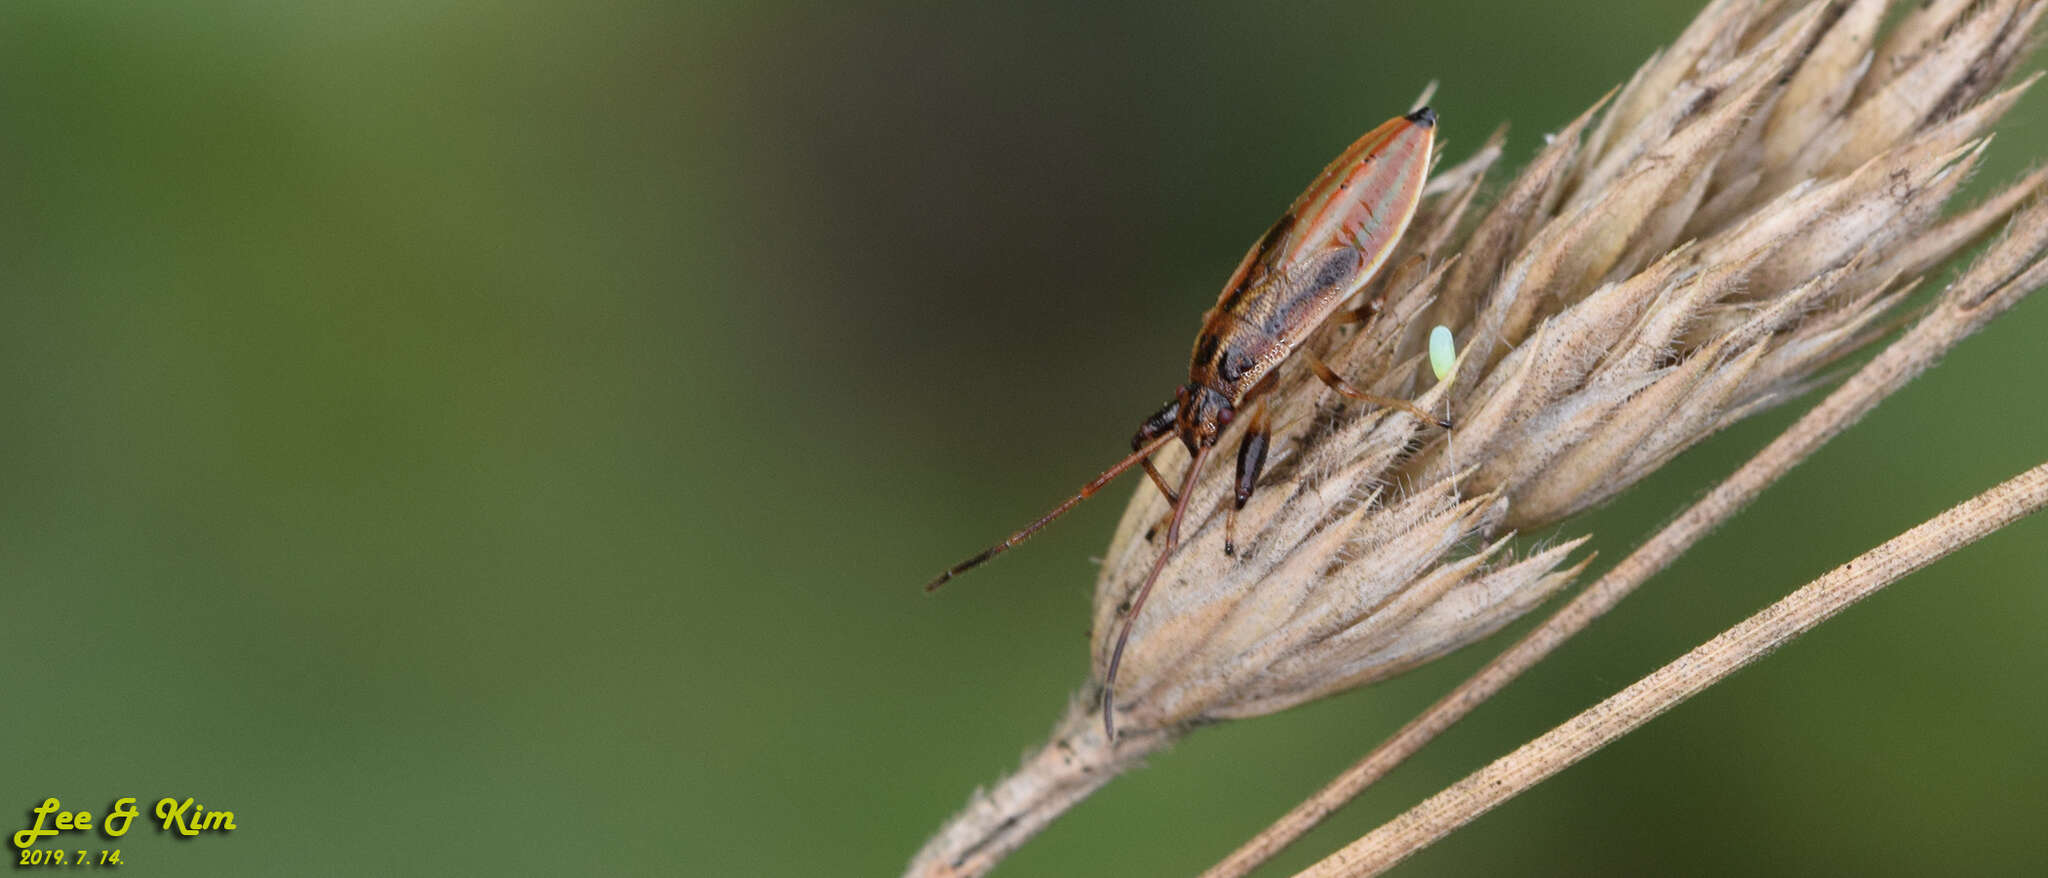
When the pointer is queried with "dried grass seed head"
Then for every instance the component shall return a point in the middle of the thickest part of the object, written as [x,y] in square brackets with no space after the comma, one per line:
[1751,207]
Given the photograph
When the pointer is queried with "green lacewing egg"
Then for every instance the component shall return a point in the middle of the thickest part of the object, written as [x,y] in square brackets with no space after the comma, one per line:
[1443,352]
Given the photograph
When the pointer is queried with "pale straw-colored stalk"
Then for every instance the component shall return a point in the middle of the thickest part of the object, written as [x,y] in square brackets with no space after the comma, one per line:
[1755,204]
[1689,675]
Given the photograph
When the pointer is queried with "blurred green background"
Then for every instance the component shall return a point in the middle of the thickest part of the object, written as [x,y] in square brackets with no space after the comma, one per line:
[466,438]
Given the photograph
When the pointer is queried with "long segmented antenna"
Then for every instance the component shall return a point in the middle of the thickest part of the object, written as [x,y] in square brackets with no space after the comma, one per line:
[1116,656]
[1087,491]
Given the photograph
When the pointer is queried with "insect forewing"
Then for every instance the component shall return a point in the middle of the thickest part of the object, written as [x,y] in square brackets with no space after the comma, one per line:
[1336,235]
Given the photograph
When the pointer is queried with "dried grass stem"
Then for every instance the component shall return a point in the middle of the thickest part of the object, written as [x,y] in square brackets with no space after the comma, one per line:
[1073,763]
[1691,674]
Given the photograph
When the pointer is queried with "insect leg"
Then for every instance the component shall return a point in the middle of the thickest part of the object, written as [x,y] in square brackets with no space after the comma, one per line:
[1251,460]
[1160,424]
[1337,383]
[1362,314]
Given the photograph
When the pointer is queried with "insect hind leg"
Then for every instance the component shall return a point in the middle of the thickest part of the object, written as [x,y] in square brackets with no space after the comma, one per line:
[1337,383]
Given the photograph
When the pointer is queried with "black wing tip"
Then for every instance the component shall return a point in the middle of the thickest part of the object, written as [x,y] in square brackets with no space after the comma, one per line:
[1424,117]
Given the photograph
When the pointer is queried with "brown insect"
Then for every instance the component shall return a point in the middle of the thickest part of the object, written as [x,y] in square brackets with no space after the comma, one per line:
[1328,245]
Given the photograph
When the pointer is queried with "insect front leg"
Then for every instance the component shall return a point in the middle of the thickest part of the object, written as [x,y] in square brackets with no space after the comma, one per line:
[1159,424]
[1337,383]
[1251,460]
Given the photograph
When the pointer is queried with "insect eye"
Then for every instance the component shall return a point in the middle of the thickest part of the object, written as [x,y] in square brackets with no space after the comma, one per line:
[1224,416]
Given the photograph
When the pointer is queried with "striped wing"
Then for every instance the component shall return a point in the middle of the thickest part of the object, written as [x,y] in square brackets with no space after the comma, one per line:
[1333,239]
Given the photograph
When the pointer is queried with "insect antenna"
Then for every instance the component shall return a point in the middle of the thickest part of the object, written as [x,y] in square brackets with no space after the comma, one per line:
[1116,656]
[1145,451]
